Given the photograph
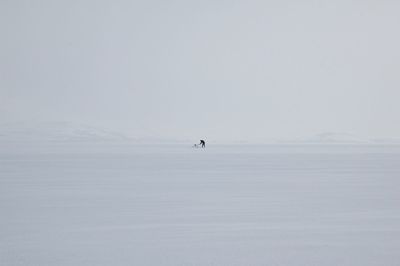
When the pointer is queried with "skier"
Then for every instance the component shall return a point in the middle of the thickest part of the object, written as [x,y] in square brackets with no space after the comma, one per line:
[202,143]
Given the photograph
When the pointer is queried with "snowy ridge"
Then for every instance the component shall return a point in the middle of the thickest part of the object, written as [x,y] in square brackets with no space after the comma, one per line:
[333,137]
[57,131]
[72,132]
[68,132]
[340,138]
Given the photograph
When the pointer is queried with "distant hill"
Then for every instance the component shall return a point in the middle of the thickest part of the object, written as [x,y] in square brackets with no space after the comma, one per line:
[341,138]
[68,132]
[57,131]
[333,137]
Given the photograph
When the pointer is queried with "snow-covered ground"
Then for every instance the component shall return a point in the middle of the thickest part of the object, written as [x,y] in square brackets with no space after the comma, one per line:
[175,205]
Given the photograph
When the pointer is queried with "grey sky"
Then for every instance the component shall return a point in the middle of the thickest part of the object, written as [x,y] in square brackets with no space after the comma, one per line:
[213,69]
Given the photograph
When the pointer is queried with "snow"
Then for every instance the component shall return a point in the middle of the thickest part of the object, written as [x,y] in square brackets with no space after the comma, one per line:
[108,204]
[69,132]
[337,138]
[56,131]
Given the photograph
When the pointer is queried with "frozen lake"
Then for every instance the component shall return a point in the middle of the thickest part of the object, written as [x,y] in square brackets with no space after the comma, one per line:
[176,205]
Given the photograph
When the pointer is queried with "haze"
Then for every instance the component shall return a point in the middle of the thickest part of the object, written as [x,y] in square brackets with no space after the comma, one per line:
[221,70]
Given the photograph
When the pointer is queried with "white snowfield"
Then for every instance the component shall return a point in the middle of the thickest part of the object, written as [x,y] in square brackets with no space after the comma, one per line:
[223,205]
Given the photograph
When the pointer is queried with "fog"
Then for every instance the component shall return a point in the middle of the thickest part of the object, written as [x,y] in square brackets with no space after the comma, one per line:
[228,70]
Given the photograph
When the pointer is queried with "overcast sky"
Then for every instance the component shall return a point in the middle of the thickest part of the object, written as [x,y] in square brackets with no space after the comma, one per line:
[212,69]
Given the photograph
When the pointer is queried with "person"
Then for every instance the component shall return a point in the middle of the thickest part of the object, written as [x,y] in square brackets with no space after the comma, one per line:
[202,143]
